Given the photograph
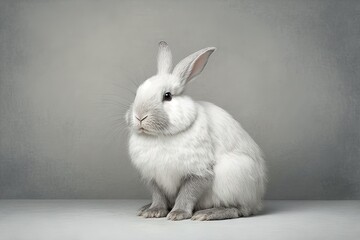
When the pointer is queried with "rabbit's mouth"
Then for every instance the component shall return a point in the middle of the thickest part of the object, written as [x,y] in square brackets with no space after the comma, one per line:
[143,130]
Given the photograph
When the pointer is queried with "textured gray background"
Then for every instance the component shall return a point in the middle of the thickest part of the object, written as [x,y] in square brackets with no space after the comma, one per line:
[287,70]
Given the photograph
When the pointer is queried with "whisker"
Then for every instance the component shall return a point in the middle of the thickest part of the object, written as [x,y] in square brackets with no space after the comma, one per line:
[132,91]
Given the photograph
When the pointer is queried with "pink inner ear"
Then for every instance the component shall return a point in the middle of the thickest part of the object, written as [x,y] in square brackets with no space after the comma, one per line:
[199,65]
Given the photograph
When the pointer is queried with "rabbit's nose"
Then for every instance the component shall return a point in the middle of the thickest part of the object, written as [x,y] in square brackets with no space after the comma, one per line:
[141,119]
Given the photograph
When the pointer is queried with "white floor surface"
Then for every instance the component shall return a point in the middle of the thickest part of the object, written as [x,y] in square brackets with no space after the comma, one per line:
[116,219]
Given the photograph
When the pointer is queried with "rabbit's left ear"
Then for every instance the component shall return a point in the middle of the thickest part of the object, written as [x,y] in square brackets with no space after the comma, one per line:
[192,65]
[164,60]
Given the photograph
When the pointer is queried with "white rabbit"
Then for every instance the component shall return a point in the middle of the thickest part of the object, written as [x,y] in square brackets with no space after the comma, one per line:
[193,156]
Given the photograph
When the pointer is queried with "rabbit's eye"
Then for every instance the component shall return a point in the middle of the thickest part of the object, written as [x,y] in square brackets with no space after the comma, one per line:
[167,96]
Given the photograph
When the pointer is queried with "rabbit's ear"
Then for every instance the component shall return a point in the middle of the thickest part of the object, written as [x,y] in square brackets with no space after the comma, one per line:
[192,65]
[164,59]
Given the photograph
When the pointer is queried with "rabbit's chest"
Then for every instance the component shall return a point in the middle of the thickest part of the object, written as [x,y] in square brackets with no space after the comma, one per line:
[168,162]
[165,165]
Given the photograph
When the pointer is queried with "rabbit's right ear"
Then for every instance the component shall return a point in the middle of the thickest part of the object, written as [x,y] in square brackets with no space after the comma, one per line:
[164,59]
[191,66]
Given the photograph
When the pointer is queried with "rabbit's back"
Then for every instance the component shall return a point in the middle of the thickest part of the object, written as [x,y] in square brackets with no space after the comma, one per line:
[226,133]
[239,170]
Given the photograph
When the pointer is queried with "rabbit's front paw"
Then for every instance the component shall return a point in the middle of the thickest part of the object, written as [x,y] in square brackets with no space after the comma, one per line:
[143,209]
[179,214]
[155,212]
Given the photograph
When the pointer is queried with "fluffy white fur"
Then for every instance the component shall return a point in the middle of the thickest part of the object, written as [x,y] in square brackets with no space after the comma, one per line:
[181,138]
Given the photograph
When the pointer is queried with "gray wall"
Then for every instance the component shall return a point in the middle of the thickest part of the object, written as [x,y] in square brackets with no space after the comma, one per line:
[287,70]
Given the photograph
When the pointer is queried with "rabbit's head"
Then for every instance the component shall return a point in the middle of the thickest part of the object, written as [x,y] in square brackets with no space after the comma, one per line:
[159,107]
